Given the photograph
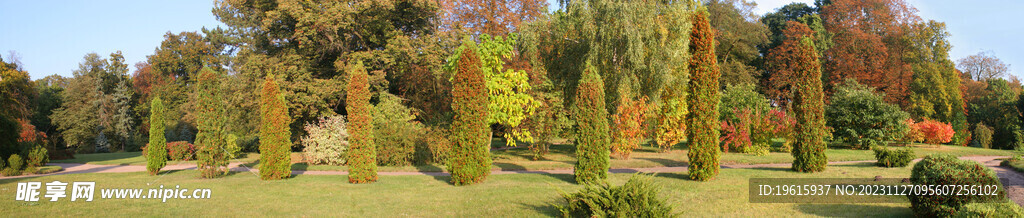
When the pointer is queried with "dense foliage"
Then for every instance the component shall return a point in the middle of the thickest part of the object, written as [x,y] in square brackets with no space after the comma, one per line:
[592,130]
[893,157]
[637,198]
[326,141]
[211,137]
[395,131]
[808,106]
[362,154]
[982,136]
[156,154]
[944,169]
[630,126]
[275,139]
[469,161]
[860,117]
[703,100]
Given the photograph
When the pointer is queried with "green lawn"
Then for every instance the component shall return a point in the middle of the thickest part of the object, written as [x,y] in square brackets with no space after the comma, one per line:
[562,157]
[517,195]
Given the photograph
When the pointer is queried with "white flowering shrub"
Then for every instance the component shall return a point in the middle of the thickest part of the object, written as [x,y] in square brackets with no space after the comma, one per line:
[327,141]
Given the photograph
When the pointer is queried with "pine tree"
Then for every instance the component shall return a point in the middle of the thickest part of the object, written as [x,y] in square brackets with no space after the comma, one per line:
[809,106]
[470,161]
[156,152]
[362,156]
[703,98]
[592,135]
[275,136]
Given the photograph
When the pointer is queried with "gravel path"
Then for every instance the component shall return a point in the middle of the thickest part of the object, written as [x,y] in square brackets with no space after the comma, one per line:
[1014,186]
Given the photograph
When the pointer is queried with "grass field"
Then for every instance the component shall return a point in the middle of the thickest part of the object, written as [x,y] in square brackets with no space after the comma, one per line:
[562,157]
[511,195]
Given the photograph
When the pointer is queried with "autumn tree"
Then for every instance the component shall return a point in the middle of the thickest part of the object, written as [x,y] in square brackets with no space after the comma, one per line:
[156,151]
[275,138]
[982,67]
[470,160]
[703,101]
[936,85]
[592,130]
[493,17]
[777,85]
[15,94]
[630,125]
[211,137]
[362,154]
[869,45]
[739,34]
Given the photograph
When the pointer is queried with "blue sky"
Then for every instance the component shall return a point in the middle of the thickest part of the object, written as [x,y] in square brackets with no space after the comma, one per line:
[52,36]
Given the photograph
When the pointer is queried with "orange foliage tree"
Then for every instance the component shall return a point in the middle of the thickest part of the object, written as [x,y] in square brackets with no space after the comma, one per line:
[869,44]
[630,126]
[493,17]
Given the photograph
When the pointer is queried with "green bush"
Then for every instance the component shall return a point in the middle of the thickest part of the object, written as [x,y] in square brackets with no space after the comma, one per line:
[16,162]
[233,150]
[703,123]
[860,117]
[899,157]
[433,147]
[10,172]
[249,143]
[395,131]
[592,135]
[37,157]
[326,141]
[470,160]
[156,151]
[637,198]
[736,98]
[944,169]
[180,150]
[1005,209]
[362,154]
[982,136]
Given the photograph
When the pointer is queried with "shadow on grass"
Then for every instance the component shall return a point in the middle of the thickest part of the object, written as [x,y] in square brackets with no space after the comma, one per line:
[546,209]
[679,175]
[854,210]
[428,168]
[663,161]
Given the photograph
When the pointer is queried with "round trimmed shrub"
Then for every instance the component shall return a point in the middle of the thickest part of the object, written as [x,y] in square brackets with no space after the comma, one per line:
[893,157]
[860,117]
[16,162]
[944,169]
[637,198]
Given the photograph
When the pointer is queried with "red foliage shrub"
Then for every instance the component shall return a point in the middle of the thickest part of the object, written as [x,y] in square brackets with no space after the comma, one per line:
[935,132]
[181,150]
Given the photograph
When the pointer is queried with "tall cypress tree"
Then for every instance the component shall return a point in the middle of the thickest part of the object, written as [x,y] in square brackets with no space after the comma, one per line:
[592,140]
[703,101]
[809,106]
[156,152]
[470,161]
[362,156]
[275,137]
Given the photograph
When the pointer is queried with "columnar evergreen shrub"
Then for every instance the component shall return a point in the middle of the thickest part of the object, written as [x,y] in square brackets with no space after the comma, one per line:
[982,135]
[211,139]
[945,169]
[470,160]
[275,135]
[156,151]
[703,124]
[362,154]
[637,198]
[326,142]
[893,157]
[592,133]
[809,107]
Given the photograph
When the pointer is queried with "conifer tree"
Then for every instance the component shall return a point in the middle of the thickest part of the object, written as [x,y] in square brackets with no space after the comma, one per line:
[156,152]
[703,98]
[592,134]
[211,140]
[809,106]
[470,160]
[275,143]
[362,156]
